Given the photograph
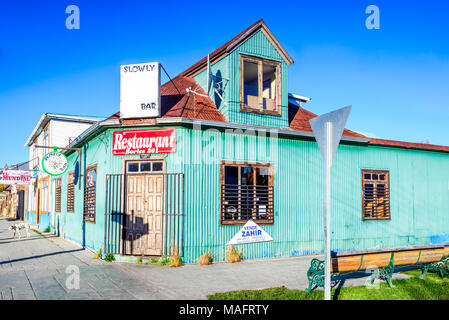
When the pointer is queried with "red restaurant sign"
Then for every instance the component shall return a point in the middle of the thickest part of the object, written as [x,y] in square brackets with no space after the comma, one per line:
[144,141]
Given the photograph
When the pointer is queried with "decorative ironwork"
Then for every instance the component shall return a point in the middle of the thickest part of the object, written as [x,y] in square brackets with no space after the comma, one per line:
[441,267]
[315,274]
[384,273]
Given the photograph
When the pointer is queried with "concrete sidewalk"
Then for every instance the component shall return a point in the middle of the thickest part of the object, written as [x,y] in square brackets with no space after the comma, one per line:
[35,268]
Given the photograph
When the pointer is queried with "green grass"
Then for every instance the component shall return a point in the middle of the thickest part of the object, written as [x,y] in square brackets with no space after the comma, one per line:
[414,288]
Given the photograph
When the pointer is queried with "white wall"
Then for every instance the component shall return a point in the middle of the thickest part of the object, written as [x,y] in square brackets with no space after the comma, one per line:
[59,134]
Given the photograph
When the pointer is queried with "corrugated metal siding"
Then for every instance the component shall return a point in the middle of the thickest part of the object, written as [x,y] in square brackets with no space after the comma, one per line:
[298,192]
[220,70]
[257,45]
[418,187]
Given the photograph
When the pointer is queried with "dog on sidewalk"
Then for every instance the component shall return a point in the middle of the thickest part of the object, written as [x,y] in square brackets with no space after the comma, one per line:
[20,226]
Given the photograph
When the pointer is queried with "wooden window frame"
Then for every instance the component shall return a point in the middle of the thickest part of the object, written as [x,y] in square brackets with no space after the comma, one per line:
[270,209]
[387,194]
[58,194]
[71,191]
[87,193]
[260,62]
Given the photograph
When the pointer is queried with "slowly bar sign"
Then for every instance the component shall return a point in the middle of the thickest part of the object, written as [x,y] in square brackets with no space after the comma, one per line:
[144,141]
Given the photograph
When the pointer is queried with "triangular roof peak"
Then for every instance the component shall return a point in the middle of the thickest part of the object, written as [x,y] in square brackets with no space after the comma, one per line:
[234,43]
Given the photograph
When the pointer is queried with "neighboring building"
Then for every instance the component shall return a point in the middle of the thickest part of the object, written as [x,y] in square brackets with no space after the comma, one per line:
[51,130]
[244,150]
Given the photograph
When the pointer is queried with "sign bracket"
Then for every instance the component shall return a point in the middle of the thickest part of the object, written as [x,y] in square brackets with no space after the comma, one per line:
[78,150]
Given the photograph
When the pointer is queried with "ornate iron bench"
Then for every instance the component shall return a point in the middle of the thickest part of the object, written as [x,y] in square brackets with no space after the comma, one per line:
[381,262]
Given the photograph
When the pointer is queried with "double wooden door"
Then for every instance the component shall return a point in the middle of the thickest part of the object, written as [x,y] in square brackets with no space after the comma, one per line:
[144,218]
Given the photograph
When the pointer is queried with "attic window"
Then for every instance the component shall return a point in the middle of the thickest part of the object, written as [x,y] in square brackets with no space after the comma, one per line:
[260,86]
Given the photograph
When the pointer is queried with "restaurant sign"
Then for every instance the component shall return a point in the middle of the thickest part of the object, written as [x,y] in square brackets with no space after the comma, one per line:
[15,177]
[137,142]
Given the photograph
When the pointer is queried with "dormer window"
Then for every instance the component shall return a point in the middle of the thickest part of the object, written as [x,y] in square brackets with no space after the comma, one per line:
[260,85]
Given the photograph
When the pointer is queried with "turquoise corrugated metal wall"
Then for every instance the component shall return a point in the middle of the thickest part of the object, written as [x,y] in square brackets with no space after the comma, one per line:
[419,196]
[220,72]
[260,46]
[418,188]
[229,67]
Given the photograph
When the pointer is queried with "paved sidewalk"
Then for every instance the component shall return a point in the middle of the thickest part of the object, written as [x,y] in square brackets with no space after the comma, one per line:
[35,268]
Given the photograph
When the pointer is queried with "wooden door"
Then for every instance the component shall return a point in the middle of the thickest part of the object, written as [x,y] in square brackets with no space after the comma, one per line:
[144,215]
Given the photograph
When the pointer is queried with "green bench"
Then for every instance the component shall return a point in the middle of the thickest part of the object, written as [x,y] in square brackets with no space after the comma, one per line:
[381,263]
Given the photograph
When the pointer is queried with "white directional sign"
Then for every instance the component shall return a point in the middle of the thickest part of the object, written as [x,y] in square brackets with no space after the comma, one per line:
[328,130]
[337,119]
[250,233]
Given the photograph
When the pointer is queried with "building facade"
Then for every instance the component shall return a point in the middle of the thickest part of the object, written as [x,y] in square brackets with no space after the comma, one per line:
[236,146]
[51,130]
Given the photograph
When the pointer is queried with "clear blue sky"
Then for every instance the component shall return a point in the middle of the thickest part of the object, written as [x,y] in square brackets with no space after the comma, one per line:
[396,78]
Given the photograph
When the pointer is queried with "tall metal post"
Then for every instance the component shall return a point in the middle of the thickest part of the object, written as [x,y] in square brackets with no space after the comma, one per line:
[327,214]
[328,130]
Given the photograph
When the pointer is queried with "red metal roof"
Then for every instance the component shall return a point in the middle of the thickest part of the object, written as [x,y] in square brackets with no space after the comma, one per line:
[299,121]
[216,52]
[188,105]
[408,145]
[176,104]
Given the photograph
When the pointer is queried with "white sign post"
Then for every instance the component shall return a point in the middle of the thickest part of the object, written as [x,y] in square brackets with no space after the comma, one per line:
[140,90]
[328,130]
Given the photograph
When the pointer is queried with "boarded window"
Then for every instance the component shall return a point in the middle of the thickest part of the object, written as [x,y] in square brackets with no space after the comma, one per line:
[58,195]
[260,85]
[376,195]
[246,193]
[71,193]
[90,194]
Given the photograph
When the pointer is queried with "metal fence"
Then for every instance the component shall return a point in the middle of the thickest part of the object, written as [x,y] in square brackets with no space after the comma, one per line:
[115,213]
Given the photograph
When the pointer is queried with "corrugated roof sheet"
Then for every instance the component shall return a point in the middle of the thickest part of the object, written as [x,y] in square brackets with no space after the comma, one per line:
[203,108]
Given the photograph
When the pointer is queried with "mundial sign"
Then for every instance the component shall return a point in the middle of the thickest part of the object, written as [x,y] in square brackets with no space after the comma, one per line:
[15,177]
[144,142]
[140,90]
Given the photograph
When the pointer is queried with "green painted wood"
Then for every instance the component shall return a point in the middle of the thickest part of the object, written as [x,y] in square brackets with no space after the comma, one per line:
[418,188]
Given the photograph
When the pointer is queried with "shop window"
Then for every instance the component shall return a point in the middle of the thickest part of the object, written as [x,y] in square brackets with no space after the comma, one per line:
[246,193]
[58,195]
[260,85]
[145,167]
[71,193]
[90,194]
[376,195]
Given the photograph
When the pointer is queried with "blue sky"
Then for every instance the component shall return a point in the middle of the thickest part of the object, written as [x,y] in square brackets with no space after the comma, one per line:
[396,78]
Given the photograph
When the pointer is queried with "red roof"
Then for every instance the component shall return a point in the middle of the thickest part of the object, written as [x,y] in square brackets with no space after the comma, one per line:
[299,121]
[181,104]
[408,145]
[188,105]
[215,53]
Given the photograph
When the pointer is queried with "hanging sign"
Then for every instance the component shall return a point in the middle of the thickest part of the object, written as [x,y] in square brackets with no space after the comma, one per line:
[140,90]
[15,177]
[250,233]
[55,163]
[144,142]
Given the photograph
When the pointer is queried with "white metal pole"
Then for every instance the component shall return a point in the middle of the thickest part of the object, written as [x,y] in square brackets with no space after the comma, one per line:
[327,214]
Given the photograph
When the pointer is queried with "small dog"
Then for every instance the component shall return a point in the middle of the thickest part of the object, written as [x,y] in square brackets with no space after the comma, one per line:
[17,227]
